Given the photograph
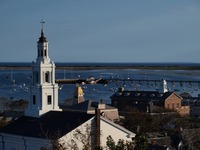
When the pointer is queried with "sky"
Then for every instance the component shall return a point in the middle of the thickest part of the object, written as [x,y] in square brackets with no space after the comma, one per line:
[101,30]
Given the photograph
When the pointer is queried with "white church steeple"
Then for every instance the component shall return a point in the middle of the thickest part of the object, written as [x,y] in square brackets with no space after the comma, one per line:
[44,90]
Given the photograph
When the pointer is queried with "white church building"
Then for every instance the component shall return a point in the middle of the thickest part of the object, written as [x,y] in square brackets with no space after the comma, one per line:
[43,119]
[44,90]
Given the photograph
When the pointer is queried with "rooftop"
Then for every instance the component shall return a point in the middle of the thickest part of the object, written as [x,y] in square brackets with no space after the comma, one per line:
[51,123]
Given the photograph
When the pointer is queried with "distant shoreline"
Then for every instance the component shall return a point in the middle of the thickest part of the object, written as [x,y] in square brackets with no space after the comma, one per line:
[93,66]
[107,67]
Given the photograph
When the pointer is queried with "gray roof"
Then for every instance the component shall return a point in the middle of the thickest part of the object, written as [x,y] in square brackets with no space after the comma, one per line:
[85,106]
[141,95]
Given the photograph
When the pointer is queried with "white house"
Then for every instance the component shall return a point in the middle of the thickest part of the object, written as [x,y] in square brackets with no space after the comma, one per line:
[44,121]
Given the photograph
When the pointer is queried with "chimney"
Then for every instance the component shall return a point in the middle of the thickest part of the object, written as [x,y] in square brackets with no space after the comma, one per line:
[98,127]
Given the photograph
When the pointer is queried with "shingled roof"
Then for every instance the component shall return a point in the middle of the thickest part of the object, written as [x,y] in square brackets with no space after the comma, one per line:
[141,95]
[51,123]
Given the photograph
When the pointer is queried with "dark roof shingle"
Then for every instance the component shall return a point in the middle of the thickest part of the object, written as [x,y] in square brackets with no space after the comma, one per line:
[50,123]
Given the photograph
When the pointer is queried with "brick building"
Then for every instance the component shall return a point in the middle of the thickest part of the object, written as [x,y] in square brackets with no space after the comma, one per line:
[148,101]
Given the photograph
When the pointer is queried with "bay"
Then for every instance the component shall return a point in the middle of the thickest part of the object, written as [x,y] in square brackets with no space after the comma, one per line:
[15,83]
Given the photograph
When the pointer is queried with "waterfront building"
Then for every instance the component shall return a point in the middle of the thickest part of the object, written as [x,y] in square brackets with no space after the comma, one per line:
[149,101]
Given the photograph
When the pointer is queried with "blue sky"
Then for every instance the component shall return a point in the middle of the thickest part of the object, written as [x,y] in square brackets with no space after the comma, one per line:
[101,30]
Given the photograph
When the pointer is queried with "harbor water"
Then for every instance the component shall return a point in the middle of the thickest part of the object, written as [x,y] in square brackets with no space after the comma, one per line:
[14,84]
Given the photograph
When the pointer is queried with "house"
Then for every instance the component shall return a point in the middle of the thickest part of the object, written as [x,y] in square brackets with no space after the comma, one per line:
[90,106]
[103,129]
[45,122]
[31,133]
[194,103]
[78,103]
[34,133]
[148,101]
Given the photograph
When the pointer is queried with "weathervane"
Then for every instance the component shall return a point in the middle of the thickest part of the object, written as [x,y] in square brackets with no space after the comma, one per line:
[42,23]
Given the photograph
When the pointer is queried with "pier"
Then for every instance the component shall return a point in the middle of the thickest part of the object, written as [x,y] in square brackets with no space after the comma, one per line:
[106,81]
[82,81]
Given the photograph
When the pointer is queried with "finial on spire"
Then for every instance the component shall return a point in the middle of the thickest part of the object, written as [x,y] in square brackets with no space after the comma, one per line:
[42,24]
[42,38]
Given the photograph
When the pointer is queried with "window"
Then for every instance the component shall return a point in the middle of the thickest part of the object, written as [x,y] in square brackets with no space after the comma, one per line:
[36,76]
[127,94]
[49,99]
[115,103]
[177,105]
[172,105]
[118,93]
[137,94]
[168,106]
[34,99]
[45,52]
[144,94]
[152,95]
[47,77]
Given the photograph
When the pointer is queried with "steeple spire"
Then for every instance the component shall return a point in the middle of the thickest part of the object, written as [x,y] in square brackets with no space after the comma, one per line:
[42,37]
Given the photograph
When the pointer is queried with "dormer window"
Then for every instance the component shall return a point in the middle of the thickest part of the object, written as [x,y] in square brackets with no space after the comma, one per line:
[118,93]
[144,94]
[127,94]
[152,95]
[137,94]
